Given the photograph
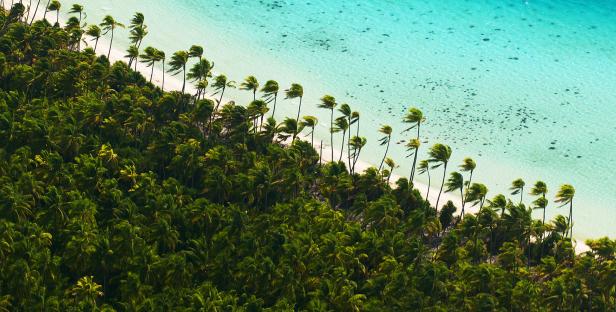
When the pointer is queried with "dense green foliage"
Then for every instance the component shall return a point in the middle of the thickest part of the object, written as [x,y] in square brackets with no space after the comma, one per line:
[115,195]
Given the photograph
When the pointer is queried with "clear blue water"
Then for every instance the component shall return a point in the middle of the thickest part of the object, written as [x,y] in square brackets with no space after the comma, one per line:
[527,88]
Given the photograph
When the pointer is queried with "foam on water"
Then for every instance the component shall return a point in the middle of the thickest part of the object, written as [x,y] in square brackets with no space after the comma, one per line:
[528,88]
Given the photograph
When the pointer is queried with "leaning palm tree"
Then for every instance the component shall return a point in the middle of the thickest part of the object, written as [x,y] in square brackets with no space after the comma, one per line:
[440,155]
[150,57]
[540,189]
[392,165]
[415,118]
[196,51]
[95,32]
[200,72]
[477,194]
[455,183]
[357,144]
[517,187]
[220,85]
[499,203]
[77,9]
[291,128]
[131,53]
[109,24]
[564,196]
[251,84]
[46,10]
[136,37]
[38,3]
[178,64]
[342,125]
[468,165]
[412,147]
[55,5]
[296,91]
[386,130]
[424,167]
[346,112]
[310,122]
[329,102]
[270,93]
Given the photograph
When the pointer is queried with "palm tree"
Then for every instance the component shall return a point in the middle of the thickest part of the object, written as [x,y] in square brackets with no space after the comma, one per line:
[540,189]
[196,51]
[392,165]
[468,165]
[412,147]
[200,72]
[296,91]
[160,57]
[35,11]
[55,5]
[178,64]
[357,144]
[517,187]
[310,122]
[499,202]
[150,57]
[136,37]
[440,154]
[258,108]
[77,9]
[415,118]
[477,194]
[386,130]
[270,93]
[291,128]
[221,83]
[132,53]
[342,125]
[251,84]
[95,32]
[109,24]
[564,196]
[424,167]
[455,183]
[46,10]
[329,102]
[346,112]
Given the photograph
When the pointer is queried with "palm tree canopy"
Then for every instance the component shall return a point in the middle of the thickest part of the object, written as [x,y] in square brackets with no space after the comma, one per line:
[540,203]
[440,154]
[455,182]
[258,107]
[345,110]
[137,34]
[414,116]
[295,91]
[149,55]
[54,5]
[310,121]
[328,101]
[138,20]
[468,164]
[565,194]
[109,24]
[76,8]
[540,188]
[516,186]
[386,130]
[477,192]
[178,61]
[423,166]
[341,124]
[270,89]
[132,51]
[499,201]
[94,31]
[390,163]
[195,51]
[250,83]
[201,70]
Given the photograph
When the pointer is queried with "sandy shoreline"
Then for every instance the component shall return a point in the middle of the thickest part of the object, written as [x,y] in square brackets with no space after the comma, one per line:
[172,83]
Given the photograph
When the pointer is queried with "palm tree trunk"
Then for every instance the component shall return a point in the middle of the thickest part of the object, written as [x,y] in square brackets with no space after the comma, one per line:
[35,10]
[152,73]
[274,110]
[385,156]
[570,221]
[163,86]
[321,153]
[184,82]
[58,17]
[342,149]
[331,132]
[429,184]
[442,184]
[414,164]
[95,44]
[46,7]
[110,44]
[349,146]
[299,109]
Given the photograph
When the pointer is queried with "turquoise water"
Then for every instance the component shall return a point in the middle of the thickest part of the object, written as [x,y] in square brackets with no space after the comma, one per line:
[527,88]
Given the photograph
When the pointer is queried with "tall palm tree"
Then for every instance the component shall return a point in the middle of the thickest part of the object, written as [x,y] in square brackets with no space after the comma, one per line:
[392,165]
[296,91]
[329,102]
[220,85]
[55,5]
[412,147]
[150,57]
[77,9]
[310,122]
[258,108]
[161,57]
[270,93]
[346,112]
[499,202]
[136,37]
[564,196]
[109,24]
[342,125]
[200,72]
[95,32]
[386,130]
[477,194]
[468,165]
[178,64]
[424,167]
[251,84]
[131,53]
[440,155]
[517,187]
[415,118]
[540,189]
[455,183]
